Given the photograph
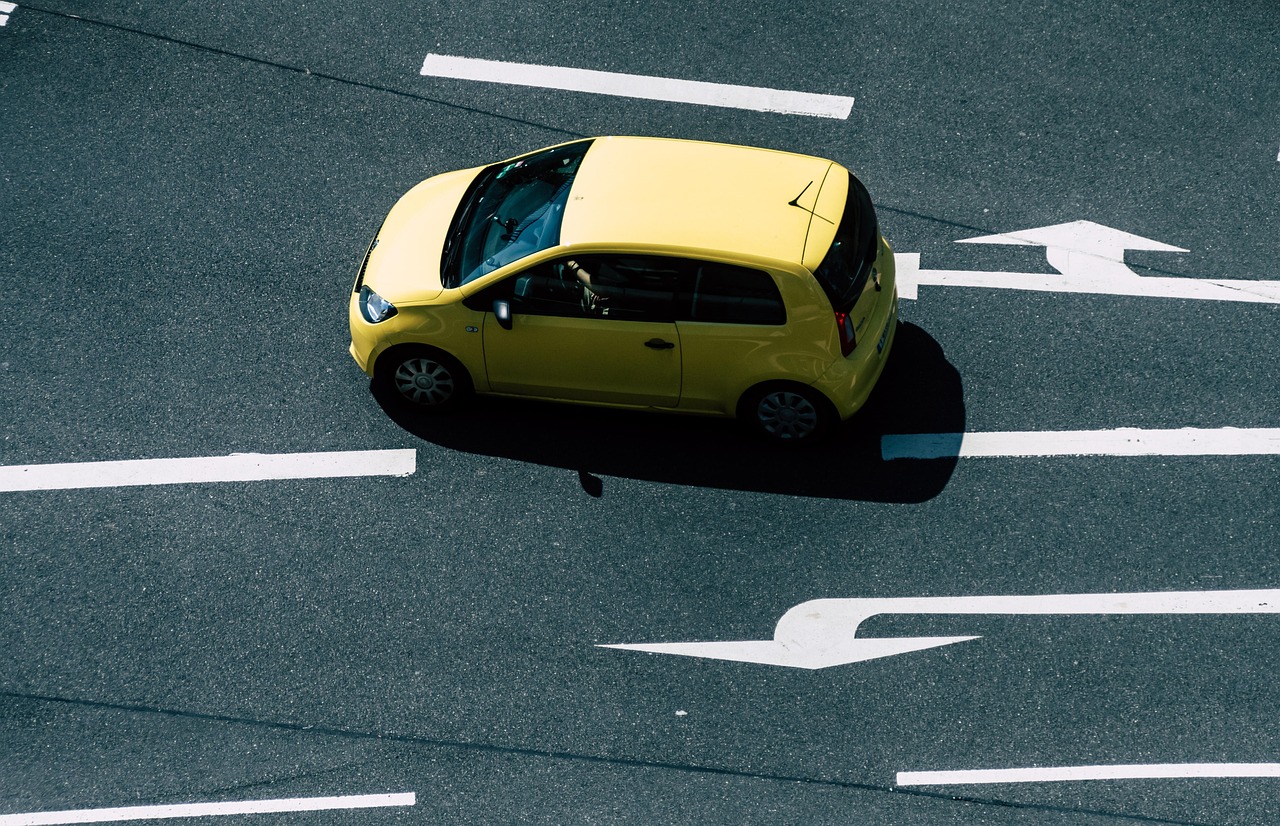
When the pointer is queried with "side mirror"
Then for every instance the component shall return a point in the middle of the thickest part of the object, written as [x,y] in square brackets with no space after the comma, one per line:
[502,312]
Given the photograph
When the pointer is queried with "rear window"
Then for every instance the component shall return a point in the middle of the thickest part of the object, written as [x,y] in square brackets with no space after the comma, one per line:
[847,265]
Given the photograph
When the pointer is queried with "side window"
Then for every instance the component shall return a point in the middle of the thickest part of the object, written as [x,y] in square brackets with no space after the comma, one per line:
[547,289]
[726,294]
[615,287]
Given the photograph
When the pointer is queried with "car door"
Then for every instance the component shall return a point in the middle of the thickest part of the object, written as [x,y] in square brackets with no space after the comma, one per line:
[734,334]
[596,328]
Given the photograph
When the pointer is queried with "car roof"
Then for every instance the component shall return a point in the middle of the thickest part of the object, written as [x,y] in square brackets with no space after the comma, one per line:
[694,196]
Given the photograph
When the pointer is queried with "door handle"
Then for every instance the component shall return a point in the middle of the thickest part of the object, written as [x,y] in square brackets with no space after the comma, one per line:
[659,344]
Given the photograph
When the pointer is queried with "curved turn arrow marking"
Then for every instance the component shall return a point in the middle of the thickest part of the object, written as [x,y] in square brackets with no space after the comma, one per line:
[822,633]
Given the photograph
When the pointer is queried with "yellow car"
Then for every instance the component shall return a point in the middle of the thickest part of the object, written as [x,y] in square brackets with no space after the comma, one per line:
[672,275]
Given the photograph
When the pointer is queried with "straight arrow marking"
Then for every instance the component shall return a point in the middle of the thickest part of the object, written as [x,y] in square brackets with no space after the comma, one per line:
[822,633]
[1089,258]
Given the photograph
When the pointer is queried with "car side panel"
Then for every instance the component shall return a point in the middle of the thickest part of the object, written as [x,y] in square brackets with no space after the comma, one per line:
[722,361]
[583,359]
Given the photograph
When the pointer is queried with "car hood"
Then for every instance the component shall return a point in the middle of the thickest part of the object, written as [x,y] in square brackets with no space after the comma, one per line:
[404,263]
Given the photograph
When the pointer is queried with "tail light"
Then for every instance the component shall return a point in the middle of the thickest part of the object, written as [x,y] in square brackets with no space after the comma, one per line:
[844,328]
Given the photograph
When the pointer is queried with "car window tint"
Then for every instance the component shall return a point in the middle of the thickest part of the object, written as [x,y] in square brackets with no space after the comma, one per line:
[616,287]
[725,294]
[547,289]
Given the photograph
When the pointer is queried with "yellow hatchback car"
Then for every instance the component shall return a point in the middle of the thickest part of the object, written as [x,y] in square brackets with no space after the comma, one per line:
[671,275]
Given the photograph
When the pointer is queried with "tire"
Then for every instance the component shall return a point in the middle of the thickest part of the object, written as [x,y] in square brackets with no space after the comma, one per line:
[423,379]
[790,414]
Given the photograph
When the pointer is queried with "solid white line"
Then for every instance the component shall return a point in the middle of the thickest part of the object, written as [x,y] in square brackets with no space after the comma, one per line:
[1063,773]
[1124,441]
[7,7]
[248,807]
[238,467]
[639,86]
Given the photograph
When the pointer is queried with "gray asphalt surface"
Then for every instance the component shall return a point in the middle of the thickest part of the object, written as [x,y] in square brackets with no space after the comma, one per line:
[187,190]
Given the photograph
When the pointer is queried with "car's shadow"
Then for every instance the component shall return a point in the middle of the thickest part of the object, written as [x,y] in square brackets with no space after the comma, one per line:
[919,392]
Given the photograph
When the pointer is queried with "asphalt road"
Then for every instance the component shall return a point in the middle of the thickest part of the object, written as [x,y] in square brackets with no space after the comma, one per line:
[187,190]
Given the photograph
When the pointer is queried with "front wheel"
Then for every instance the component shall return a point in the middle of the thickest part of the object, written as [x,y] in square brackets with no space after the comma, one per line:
[790,414]
[424,379]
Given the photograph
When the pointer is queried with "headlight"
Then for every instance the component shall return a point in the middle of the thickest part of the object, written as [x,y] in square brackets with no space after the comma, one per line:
[374,307]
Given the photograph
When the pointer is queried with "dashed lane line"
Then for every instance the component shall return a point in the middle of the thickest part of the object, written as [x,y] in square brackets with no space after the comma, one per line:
[1124,441]
[246,807]
[1050,774]
[639,86]
[238,467]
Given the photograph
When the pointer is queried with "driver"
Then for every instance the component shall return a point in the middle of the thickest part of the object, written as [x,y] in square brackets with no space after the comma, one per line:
[592,299]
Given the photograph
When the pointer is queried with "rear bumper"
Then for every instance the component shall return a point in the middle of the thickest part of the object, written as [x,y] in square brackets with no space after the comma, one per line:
[849,381]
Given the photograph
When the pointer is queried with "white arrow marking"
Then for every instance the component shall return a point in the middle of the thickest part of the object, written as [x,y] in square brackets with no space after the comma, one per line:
[1089,258]
[822,633]
[1081,249]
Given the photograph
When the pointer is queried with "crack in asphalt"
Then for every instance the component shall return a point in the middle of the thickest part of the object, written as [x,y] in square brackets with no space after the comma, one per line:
[419,741]
[301,70]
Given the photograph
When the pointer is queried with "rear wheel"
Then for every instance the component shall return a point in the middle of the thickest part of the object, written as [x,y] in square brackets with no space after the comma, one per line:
[424,379]
[787,413]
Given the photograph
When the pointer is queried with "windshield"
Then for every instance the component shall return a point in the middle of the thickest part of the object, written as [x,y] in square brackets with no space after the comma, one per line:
[511,210]
[843,272]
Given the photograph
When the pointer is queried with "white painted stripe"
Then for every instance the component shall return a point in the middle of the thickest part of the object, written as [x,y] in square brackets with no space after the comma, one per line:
[911,278]
[1062,773]
[238,467]
[5,8]
[639,86]
[1124,441]
[248,807]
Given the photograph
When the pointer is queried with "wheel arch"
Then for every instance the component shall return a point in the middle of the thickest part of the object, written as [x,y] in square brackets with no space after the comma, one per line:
[760,388]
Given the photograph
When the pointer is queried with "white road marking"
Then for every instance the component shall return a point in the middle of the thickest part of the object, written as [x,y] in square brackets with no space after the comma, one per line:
[238,467]
[1060,773]
[5,10]
[1123,441]
[248,807]
[639,86]
[1089,258]
[822,633]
